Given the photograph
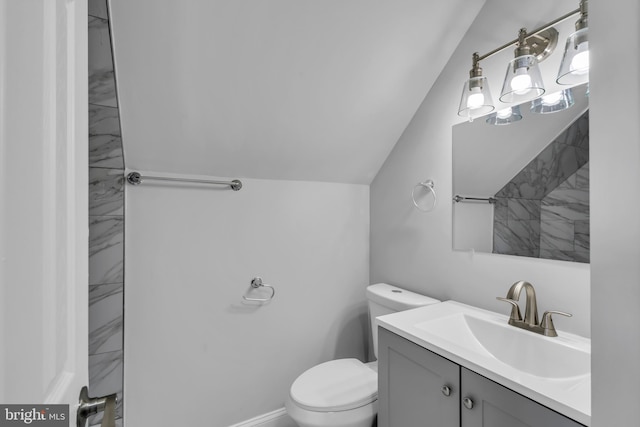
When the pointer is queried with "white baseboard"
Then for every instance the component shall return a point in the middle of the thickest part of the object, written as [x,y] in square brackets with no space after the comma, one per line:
[277,418]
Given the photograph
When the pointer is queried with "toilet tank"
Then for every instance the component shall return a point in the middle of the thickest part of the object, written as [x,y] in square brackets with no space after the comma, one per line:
[385,299]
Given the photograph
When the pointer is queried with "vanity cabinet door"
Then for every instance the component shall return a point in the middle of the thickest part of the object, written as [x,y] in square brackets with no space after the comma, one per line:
[410,385]
[497,406]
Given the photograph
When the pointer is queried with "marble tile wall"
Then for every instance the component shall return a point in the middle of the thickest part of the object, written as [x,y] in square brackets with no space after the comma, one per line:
[106,216]
[543,211]
[554,165]
[564,225]
[516,227]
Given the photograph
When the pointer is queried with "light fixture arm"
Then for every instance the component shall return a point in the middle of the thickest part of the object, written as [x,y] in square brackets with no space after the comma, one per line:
[583,22]
[475,71]
[583,6]
[523,48]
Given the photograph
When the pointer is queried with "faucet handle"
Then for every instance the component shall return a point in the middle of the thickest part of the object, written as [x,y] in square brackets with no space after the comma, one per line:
[548,329]
[516,316]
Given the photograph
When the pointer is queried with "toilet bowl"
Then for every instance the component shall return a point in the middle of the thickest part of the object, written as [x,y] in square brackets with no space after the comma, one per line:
[341,392]
[344,392]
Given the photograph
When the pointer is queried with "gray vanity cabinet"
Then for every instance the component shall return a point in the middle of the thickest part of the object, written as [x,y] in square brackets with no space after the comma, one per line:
[412,393]
[497,406]
[410,385]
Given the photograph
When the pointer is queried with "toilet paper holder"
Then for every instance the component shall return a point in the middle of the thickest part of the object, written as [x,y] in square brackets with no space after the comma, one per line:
[256,283]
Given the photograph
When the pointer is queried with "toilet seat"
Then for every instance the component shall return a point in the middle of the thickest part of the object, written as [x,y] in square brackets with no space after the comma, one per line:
[337,385]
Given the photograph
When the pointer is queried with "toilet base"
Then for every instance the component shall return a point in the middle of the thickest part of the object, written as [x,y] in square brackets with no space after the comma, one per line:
[364,416]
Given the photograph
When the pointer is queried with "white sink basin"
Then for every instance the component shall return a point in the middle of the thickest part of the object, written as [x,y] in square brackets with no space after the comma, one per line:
[523,350]
[555,372]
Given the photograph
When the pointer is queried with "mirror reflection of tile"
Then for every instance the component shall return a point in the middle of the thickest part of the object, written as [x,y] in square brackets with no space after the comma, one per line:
[543,211]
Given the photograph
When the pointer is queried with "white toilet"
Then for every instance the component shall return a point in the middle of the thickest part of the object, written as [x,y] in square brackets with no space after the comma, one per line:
[344,392]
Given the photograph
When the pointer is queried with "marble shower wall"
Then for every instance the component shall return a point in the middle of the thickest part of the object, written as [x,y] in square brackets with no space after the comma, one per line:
[543,211]
[106,216]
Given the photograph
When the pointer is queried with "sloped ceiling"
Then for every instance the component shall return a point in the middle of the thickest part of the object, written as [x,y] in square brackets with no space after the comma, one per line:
[316,90]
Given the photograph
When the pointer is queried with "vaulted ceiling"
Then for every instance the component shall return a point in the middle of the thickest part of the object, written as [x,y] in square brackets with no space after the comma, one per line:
[316,90]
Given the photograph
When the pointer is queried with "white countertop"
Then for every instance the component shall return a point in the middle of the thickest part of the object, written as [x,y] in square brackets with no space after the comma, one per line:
[569,395]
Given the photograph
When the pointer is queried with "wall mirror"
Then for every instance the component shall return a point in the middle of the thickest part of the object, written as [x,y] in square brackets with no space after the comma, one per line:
[523,188]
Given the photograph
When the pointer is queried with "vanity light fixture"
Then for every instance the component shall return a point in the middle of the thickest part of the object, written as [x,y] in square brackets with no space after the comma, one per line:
[553,102]
[476,98]
[505,116]
[523,80]
[574,68]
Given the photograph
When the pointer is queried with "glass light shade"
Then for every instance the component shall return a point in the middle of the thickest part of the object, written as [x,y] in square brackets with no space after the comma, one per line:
[505,116]
[574,68]
[476,98]
[551,103]
[523,80]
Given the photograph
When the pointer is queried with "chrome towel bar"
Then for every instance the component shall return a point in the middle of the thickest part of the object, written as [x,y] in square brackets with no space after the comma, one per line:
[135,178]
[457,198]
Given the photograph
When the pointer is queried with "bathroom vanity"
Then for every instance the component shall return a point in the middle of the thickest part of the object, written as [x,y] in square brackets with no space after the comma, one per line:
[436,368]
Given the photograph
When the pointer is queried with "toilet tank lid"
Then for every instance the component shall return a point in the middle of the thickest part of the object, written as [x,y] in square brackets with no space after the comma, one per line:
[397,298]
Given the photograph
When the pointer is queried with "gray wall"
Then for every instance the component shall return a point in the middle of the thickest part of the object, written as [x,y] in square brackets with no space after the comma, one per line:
[615,223]
[191,253]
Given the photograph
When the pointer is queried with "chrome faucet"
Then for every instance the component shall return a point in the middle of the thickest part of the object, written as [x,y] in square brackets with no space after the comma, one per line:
[530,321]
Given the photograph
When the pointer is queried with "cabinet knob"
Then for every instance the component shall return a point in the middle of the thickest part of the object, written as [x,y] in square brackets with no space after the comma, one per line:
[468,403]
[446,390]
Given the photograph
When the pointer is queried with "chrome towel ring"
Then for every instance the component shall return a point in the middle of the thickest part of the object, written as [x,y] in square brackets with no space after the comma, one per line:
[429,185]
[256,283]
